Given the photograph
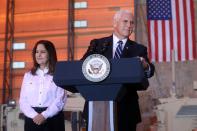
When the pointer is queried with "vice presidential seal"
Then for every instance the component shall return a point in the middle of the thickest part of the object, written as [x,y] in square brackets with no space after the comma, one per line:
[96,68]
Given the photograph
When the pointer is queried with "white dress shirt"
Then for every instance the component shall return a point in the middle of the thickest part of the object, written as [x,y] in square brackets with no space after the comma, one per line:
[40,91]
[115,43]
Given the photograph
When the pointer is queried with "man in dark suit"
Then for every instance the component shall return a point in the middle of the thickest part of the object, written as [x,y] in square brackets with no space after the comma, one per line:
[128,111]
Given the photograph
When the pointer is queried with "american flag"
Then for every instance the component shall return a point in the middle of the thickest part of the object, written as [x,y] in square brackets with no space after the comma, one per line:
[171,26]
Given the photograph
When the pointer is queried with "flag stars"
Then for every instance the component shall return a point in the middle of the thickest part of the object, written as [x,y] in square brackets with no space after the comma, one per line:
[159,9]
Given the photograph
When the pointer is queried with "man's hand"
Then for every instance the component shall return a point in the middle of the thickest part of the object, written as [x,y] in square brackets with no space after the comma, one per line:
[144,63]
[39,119]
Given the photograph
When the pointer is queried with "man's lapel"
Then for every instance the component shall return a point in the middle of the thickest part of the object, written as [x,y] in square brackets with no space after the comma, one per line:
[108,52]
[125,49]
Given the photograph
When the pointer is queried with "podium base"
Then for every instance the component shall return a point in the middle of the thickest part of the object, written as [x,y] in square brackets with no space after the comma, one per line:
[102,116]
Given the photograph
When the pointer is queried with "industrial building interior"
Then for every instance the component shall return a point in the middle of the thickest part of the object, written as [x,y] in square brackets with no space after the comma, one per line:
[170,102]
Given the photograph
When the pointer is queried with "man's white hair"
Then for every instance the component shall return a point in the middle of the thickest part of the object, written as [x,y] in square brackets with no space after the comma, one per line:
[119,14]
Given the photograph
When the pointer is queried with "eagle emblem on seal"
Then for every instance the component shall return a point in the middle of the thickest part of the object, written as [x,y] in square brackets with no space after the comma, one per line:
[96,68]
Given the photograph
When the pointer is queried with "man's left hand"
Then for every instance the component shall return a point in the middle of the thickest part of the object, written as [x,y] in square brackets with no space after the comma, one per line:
[144,63]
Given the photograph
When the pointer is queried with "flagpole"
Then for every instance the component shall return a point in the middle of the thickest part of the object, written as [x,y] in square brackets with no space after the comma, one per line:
[173,88]
[135,17]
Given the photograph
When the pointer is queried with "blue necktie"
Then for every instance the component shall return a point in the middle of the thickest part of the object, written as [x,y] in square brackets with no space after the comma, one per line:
[118,52]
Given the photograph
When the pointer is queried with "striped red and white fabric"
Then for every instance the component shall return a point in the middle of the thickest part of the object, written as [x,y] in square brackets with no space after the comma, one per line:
[171,26]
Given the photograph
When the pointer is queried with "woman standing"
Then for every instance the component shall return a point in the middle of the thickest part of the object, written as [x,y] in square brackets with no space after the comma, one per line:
[41,100]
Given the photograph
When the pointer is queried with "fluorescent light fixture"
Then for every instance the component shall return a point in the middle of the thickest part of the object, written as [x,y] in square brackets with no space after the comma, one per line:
[80,5]
[84,4]
[76,23]
[80,23]
[18,65]
[77,5]
[19,46]
[84,23]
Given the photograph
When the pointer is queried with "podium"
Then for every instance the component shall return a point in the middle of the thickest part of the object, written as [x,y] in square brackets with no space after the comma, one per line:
[102,96]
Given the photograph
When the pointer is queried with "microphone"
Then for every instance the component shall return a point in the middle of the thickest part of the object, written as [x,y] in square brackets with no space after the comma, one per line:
[104,48]
[92,47]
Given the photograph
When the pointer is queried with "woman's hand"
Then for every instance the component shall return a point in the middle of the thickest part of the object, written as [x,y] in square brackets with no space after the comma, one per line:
[39,119]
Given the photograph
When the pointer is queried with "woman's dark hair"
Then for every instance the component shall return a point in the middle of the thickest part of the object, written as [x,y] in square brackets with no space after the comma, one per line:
[52,56]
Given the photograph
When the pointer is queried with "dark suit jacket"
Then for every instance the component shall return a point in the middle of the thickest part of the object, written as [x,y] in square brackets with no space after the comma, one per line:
[127,107]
